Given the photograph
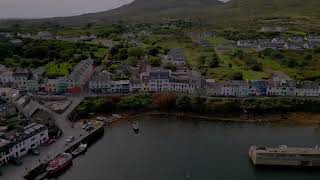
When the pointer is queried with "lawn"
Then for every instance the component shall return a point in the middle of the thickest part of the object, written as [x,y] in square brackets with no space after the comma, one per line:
[100,53]
[216,40]
[57,69]
[191,51]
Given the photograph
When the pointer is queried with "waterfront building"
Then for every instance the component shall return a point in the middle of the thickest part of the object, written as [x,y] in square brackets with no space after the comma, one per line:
[281,88]
[235,88]
[120,86]
[20,78]
[100,82]
[159,80]
[22,140]
[80,76]
[5,154]
[310,89]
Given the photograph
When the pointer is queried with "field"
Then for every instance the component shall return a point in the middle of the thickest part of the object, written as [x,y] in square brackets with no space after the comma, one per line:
[57,69]
[295,65]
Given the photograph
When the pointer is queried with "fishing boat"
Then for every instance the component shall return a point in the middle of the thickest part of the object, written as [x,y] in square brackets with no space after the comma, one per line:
[59,164]
[117,116]
[81,149]
[135,126]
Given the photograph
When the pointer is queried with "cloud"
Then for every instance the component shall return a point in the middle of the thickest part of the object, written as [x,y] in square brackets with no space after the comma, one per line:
[51,8]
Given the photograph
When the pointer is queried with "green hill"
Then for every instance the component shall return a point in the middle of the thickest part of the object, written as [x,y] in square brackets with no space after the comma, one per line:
[233,14]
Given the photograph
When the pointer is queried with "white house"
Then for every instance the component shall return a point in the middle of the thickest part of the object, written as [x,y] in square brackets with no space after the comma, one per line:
[235,88]
[281,88]
[100,82]
[23,140]
[309,89]
[176,57]
[120,86]
[5,153]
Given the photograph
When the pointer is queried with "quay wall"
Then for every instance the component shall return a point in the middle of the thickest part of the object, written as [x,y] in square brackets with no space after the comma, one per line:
[90,139]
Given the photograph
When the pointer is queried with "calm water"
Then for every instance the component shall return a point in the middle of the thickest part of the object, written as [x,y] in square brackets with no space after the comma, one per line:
[171,149]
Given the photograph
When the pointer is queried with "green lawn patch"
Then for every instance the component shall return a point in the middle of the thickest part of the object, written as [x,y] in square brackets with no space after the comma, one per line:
[57,69]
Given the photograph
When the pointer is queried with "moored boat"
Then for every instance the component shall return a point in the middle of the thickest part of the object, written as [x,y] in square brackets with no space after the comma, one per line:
[59,164]
[81,149]
[135,126]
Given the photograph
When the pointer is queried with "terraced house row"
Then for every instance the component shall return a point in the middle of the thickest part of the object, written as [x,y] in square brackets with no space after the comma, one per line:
[296,43]
[85,78]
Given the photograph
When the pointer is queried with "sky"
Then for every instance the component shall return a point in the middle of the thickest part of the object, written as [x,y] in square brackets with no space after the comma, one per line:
[53,8]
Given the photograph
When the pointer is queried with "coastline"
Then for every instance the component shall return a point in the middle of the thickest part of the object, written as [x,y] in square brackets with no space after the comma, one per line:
[296,118]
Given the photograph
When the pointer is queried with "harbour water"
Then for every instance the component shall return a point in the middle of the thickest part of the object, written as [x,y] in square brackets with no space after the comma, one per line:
[171,148]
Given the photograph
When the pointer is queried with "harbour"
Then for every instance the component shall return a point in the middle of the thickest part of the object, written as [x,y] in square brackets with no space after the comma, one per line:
[184,148]
[41,171]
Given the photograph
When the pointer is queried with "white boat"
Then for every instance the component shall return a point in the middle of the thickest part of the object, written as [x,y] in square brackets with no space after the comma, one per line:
[135,126]
[118,116]
[82,148]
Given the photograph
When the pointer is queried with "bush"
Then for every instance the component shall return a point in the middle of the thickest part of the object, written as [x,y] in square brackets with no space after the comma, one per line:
[236,76]
[183,102]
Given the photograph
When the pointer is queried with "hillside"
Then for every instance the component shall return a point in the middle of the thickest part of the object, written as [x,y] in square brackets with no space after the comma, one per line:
[139,10]
[233,14]
[284,12]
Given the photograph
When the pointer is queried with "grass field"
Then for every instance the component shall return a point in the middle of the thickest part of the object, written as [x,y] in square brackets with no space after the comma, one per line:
[101,52]
[57,69]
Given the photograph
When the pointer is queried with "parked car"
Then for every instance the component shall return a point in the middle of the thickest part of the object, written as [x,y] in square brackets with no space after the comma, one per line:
[70,139]
[89,128]
[16,162]
[34,152]
[50,141]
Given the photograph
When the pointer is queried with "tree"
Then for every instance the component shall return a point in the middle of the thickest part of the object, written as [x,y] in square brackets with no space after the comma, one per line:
[236,76]
[135,52]
[170,66]
[154,61]
[123,54]
[131,61]
[213,61]
[153,51]
[183,102]
[165,101]
[198,104]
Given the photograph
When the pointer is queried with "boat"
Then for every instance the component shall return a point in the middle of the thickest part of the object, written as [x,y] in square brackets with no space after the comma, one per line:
[59,164]
[118,116]
[284,155]
[135,126]
[82,148]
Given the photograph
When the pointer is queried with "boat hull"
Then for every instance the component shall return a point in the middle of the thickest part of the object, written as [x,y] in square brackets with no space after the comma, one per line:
[58,171]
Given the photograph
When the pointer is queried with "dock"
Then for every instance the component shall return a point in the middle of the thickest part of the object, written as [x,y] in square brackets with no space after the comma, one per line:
[39,172]
[285,156]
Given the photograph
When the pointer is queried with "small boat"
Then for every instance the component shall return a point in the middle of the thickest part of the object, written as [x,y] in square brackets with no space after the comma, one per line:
[59,164]
[82,148]
[135,126]
[118,116]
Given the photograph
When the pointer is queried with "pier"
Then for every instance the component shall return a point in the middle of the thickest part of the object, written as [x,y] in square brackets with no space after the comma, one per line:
[39,172]
[285,156]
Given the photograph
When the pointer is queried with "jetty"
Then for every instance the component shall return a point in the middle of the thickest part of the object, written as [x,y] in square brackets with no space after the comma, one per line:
[285,156]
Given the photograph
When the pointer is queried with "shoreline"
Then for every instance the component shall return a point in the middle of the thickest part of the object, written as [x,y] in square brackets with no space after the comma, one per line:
[297,118]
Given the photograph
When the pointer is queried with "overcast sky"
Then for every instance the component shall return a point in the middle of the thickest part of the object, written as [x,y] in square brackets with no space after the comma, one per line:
[51,8]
